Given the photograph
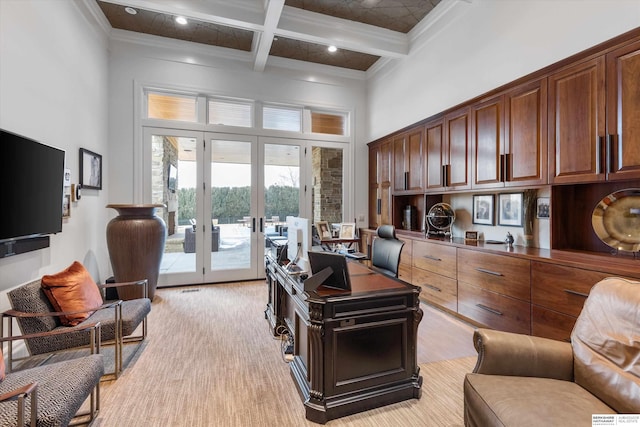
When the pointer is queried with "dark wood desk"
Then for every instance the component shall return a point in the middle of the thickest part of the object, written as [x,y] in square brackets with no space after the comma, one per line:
[353,350]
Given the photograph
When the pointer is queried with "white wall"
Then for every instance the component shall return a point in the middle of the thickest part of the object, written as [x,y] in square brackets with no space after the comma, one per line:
[173,65]
[53,86]
[482,44]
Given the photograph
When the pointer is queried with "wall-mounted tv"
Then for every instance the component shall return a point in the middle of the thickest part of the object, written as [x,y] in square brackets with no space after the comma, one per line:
[31,189]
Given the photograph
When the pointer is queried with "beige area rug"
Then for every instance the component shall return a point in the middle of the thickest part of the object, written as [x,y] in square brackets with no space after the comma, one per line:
[211,360]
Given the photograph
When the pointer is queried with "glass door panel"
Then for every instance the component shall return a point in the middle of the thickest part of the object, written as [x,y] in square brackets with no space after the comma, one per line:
[171,159]
[231,207]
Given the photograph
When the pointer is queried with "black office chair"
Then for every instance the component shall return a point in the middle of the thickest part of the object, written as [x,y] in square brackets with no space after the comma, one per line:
[385,250]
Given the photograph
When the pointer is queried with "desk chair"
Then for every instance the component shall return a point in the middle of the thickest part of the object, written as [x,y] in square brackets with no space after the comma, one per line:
[385,250]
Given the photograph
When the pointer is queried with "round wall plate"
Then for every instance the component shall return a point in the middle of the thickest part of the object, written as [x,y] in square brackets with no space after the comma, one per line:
[616,220]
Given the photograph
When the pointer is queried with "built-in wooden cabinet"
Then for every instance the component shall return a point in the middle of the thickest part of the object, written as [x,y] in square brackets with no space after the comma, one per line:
[509,138]
[448,152]
[593,118]
[408,169]
[434,270]
[380,203]
[623,113]
[577,123]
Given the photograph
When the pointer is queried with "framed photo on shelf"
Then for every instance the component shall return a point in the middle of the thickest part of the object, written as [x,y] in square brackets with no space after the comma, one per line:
[347,230]
[543,208]
[483,209]
[510,209]
[90,169]
[323,229]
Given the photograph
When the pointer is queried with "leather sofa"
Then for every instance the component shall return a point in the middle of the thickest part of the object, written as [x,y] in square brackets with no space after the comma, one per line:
[526,380]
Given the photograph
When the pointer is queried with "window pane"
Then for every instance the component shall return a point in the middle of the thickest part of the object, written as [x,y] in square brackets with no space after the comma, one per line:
[230,113]
[334,124]
[171,107]
[281,118]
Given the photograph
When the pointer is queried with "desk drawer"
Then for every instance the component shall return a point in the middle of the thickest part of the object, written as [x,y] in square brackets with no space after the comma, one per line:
[494,310]
[435,258]
[498,273]
[437,289]
[562,289]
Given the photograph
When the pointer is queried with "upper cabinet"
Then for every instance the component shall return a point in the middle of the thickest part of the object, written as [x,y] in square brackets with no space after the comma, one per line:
[594,125]
[576,123]
[380,183]
[623,113]
[448,152]
[408,162]
[509,134]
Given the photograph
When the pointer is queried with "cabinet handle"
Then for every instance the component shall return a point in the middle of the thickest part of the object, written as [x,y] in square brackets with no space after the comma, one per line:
[599,154]
[431,257]
[507,164]
[610,150]
[253,224]
[435,288]
[444,175]
[406,180]
[580,294]
[494,273]
[489,309]
[501,178]
[379,206]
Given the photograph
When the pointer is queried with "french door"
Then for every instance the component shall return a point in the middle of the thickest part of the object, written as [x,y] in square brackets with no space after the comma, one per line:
[224,193]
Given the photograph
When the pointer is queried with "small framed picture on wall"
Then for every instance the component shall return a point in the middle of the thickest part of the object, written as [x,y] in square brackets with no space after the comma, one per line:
[543,208]
[90,169]
[483,209]
[510,209]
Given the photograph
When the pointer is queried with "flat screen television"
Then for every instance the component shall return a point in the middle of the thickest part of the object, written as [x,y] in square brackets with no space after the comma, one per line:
[32,188]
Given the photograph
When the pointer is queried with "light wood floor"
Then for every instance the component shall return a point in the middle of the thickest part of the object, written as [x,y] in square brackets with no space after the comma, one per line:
[443,337]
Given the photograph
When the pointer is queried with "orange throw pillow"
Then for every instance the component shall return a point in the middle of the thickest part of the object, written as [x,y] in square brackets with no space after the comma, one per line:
[72,290]
[2,370]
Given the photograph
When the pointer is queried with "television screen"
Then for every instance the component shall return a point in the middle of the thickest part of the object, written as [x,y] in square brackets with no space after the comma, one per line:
[32,188]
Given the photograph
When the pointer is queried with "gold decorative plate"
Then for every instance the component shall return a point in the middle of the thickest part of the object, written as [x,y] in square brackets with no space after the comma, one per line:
[616,220]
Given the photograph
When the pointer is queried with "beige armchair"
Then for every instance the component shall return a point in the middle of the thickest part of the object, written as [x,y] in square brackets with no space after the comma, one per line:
[524,380]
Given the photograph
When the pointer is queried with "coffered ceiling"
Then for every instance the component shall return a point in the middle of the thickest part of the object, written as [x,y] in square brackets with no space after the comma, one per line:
[364,31]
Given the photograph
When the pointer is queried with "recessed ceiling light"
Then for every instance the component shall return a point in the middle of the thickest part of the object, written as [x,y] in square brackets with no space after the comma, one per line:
[181,20]
[130,10]
[332,49]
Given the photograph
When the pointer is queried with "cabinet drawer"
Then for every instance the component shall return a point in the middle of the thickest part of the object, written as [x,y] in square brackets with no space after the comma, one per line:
[494,310]
[404,272]
[560,288]
[502,274]
[437,289]
[551,324]
[436,258]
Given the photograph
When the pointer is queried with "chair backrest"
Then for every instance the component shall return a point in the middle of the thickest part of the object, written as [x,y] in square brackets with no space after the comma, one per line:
[31,298]
[606,344]
[386,250]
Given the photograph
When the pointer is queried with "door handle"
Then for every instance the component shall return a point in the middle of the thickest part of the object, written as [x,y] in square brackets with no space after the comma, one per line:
[253,224]
[261,227]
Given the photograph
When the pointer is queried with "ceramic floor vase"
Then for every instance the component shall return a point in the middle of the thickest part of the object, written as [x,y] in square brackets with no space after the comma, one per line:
[135,239]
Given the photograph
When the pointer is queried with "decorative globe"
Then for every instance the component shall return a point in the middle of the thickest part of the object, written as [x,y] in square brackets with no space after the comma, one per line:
[441,216]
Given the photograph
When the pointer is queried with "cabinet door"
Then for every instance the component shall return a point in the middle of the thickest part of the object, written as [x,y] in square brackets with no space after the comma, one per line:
[434,156]
[458,152]
[415,160]
[623,112]
[576,123]
[379,184]
[399,175]
[488,133]
[525,135]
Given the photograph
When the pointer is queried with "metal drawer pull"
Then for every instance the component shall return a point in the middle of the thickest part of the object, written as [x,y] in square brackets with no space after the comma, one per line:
[435,288]
[432,257]
[495,273]
[580,294]
[489,309]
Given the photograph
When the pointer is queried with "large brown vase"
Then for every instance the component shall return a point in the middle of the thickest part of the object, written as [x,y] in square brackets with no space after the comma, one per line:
[135,239]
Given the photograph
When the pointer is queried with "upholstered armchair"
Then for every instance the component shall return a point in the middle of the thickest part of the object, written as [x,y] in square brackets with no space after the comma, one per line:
[385,250]
[52,395]
[526,380]
[35,313]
